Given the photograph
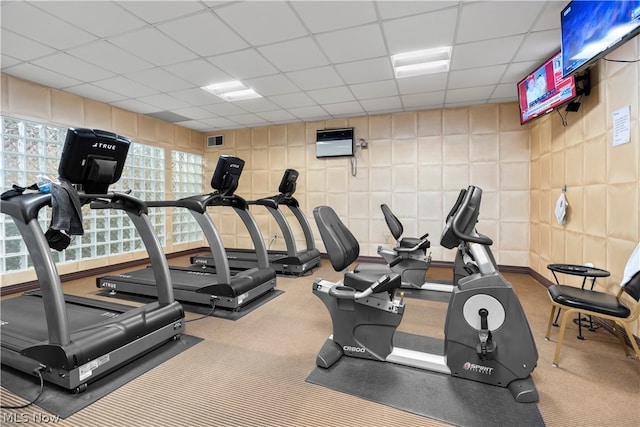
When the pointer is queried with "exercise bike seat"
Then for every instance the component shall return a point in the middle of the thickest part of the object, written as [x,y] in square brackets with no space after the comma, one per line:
[343,249]
[396,229]
[362,281]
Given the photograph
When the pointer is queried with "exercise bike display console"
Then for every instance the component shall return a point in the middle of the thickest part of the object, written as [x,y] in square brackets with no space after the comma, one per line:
[487,336]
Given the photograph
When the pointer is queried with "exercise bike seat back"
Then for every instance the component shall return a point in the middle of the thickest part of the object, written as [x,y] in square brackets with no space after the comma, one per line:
[396,229]
[343,249]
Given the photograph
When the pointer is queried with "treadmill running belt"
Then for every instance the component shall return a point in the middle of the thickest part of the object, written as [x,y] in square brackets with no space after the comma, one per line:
[19,337]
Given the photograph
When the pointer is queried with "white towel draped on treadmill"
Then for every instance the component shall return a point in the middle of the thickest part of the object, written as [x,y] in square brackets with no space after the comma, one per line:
[633,265]
[561,209]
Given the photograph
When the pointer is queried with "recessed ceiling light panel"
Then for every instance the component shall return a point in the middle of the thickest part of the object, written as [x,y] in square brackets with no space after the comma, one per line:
[232,91]
[419,62]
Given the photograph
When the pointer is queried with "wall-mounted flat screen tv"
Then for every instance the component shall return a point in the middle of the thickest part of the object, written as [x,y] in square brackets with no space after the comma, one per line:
[591,29]
[544,89]
[334,143]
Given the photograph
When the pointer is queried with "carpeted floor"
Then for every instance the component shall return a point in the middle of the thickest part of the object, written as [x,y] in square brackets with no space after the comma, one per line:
[251,372]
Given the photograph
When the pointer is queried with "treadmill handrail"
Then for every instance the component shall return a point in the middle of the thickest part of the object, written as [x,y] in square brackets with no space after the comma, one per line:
[197,203]
[273,206]
[24,210]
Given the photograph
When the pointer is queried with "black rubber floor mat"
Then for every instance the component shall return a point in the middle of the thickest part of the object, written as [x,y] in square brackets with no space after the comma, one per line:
[63,403]
[438,396]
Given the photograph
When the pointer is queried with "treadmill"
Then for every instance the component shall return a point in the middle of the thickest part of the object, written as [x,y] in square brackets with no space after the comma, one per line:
[71,341]
[200,284]
[291,261]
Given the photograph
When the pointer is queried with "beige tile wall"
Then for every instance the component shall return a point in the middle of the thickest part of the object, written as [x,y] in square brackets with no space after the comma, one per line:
[603,187]
[416,162]
[29,101]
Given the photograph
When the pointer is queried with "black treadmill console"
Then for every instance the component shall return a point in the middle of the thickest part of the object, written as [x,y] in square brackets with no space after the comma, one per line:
[227,174]
[93,158]
[288,184]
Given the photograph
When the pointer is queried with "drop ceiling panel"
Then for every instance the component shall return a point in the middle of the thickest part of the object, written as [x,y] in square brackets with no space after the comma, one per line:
[262,23]
[244,64]
[22,48]
[476,77]
[272,85]
[488,20]
[249,120]
[485,53]
[199,72]
[8,61]
[41,75]
[316,78]
[506,91]
[154,12]
[224,108]
[344,109]
[549,19]
[331,95]
[163,102]
[135,106]
[398,9]
[153,46]
[196,97]
[160,80]
[375,89]
[96,93]
[308,54]
[419,100]
[323,16]
[278,116]
[204,33]
[516,71]
[381,105]
[108,18]
[105,55]
[126,87]
[424,31]
[293,100]
[194,113]
[468,94]
[353,44]
[418,84]
[368,70]
[257,105]
[26,20]
[539,46]
[308,113]
[73,67]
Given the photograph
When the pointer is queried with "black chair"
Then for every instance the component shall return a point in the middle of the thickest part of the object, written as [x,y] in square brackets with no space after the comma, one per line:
[596,304]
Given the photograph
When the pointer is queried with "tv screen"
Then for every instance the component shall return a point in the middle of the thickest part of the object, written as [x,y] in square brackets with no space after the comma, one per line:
[591,29]
[334,142]
[545,89]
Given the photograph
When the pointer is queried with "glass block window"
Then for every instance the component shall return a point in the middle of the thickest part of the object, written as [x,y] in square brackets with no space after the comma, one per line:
[30,148]
[187,175]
